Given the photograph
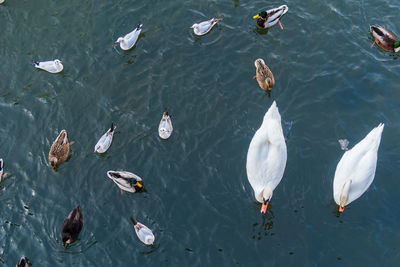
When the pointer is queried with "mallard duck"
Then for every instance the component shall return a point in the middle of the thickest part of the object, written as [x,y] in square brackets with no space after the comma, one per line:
[266,157]
[53,66]
[384,39]
[356,169]
[59,149]
[72,226]
[129,40]
[165,127]
[264,76]
[269,18]
[143,232]
[126,181]
[205,26]
[105,141]
[23,262]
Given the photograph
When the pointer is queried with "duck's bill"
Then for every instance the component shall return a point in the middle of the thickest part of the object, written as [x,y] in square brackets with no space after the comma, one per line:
[256,16]
[264,207]
[341,209]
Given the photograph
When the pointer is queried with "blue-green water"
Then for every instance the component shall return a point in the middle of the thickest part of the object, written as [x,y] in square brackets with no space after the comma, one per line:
[198,201]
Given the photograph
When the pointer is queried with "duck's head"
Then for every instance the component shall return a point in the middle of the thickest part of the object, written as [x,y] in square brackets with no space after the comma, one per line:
[120,39]
[267,195]
[137,184]
[262,15]
[53,162]
[396,46]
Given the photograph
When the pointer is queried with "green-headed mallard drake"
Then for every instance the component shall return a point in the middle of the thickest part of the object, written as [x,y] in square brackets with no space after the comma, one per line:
[264,76]
[269,18]
[72,226]
[126,181]
[384,39]
[59,149]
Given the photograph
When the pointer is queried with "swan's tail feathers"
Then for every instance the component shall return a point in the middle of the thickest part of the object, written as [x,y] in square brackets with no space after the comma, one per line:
[377,131]
[375,134]
[273,113]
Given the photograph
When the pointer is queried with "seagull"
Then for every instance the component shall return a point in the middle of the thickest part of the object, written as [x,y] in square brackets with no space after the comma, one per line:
[52,66]
[129,40]
[205,26]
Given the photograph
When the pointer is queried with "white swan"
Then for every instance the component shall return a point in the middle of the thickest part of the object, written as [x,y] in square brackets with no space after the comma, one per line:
[356,169]
[266,158]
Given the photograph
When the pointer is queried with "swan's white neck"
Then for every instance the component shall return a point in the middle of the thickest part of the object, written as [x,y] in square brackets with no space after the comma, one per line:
[345,193]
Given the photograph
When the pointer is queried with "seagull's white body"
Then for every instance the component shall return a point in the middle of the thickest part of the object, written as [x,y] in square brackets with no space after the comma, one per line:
[129,40]
[126,181]
[143,232]
[266,157]
[165,127]
[356,169]
[105,141]
[52,66]
[205,26]
[1,169]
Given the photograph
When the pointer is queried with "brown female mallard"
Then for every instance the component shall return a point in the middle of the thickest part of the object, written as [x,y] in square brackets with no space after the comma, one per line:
[59,149]
[264,76]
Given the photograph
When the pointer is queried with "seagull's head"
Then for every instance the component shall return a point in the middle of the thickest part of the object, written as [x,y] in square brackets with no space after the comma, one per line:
[120,39]
[57,61]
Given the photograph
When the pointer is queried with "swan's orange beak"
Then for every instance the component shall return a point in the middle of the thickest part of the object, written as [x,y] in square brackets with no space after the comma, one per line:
[264,206]
[341,209]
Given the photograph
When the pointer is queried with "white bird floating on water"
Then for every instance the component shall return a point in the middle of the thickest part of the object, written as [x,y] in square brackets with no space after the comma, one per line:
[165,127]
[126,181]
[129,40]
[143,232]
[205,26]
[2,175]
[356,169]
[266,157]
[52,66]
[105,141]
